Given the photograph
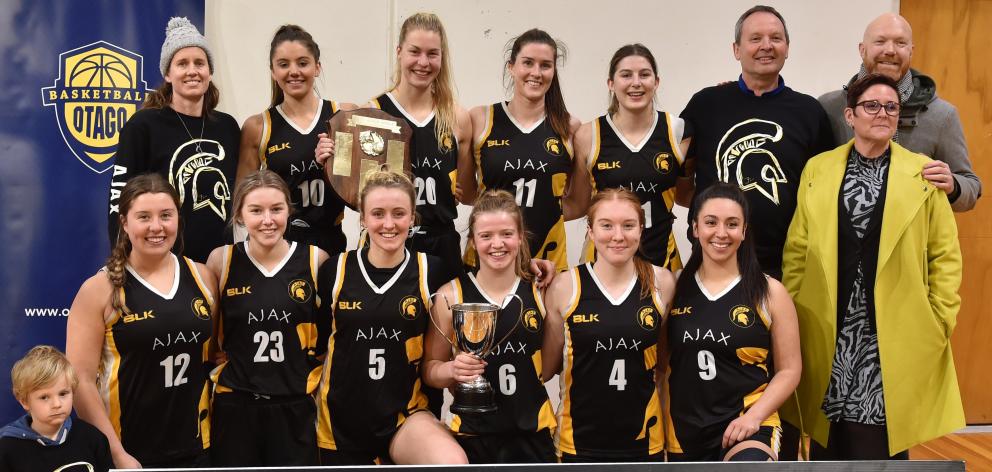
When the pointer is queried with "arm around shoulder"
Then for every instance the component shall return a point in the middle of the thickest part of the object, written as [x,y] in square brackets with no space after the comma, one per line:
[556,302]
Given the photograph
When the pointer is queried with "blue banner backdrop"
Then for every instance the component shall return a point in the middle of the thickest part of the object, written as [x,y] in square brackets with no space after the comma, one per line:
[72,73]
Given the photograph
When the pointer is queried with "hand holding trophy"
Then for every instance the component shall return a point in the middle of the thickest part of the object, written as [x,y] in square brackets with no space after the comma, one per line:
[474,332]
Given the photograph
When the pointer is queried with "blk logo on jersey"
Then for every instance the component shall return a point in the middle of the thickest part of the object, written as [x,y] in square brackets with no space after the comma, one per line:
[608,165]
[531,320]
[497,142]
[300,291]
[201,309]
[744,158]
[235,291]
[132,317]
[685,310]
[553,146]
[742,316]
[408,307]
[99,87]
[647,317]
[278,147]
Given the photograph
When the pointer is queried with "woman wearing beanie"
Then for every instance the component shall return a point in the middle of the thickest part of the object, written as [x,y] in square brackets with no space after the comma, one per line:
[180,136]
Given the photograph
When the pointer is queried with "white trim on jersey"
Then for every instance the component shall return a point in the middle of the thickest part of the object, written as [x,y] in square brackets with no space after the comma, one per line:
[677,127]
[311,126]
[275,270]
[392,280]
[409,117]
[623,139]
[175,280]
[506,300]
[602,289]
[195,270]
[517,124]
[717,296]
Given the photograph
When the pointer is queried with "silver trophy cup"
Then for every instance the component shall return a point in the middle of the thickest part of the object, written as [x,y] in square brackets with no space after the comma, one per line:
[475,333]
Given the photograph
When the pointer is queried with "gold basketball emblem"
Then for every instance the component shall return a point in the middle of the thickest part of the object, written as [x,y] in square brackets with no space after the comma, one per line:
[300,291]
[741,316]
[408,307]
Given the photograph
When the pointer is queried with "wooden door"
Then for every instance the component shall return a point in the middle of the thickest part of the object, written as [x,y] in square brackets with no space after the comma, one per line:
[952,45]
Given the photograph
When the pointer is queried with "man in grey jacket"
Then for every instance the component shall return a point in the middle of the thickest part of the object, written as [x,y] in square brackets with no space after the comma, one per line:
[927,124]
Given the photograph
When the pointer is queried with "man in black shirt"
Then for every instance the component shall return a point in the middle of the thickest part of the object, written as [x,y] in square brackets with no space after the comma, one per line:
[757,133]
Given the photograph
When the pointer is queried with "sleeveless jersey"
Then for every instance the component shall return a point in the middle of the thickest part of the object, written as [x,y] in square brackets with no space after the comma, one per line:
[610,406]
[720,364]
[154,377]
[288,151]
[268,323]
[649,170]
[532,164]
[433,166]
[514,367]
[371,378]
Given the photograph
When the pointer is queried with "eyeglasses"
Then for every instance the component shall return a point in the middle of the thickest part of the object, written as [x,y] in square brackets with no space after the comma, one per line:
[873,107]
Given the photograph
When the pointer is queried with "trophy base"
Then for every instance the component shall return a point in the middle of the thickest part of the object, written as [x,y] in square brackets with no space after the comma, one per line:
[473,401]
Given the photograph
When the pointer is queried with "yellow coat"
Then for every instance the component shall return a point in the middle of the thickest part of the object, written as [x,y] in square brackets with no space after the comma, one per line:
[916,298]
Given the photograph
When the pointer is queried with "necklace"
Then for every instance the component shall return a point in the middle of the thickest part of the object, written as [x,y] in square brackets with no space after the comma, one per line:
[203,122]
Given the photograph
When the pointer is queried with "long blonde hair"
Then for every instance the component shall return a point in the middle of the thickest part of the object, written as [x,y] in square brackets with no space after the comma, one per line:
[443,87]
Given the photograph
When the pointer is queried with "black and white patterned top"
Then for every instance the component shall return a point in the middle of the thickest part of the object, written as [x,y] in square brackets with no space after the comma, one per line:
[855,390]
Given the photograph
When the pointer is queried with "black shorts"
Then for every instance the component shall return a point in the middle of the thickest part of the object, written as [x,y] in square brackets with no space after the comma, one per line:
[249,430]
[198,461]
[330,457]
[333,241]
[444,244]
[522,448]
[579,459]
[770,436]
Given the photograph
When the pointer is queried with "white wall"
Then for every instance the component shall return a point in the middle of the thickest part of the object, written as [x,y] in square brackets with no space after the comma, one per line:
[691,41]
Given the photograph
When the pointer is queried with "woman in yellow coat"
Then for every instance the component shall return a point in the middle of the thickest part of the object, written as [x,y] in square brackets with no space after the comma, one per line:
[876,297]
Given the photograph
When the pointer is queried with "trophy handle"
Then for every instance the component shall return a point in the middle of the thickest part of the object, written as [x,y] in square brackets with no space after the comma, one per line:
[519,315]
[433,322]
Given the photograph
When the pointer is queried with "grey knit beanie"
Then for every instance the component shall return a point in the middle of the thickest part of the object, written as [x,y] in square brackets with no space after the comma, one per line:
[180,33]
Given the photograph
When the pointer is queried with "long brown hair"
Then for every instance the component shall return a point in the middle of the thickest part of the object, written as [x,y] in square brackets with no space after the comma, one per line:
[443,87]
[290,33]
[554,102]
[643,268]
[137,186]
[493,201]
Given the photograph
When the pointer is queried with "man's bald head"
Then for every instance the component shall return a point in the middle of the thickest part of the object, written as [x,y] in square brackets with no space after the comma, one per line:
[887,46]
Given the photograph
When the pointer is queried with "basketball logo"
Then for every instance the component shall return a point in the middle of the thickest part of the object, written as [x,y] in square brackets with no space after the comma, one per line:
[408,307]
[553,146]
[647,317]
[741,316]
[99,87]
[662,162]
[531,320]
[200,308]
[300,291]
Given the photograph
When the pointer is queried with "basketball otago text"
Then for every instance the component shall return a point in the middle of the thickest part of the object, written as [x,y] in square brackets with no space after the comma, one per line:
[99,87]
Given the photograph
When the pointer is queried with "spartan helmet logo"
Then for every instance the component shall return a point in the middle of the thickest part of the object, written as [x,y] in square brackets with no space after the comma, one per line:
[300,291]
[647,317]
[741,316]
[661,162]
[531,320]
[193,172]
[408,307]
[742,159]
[200,308]
[553,146]
[446,143]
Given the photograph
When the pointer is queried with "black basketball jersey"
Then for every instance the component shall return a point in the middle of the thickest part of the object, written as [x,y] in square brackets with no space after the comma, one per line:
[532,164]
[433,166]
[287,150]
[154,374]
[514,367]
[268,323]
[610,406]
[720,364]
[648,169]
[371,378]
